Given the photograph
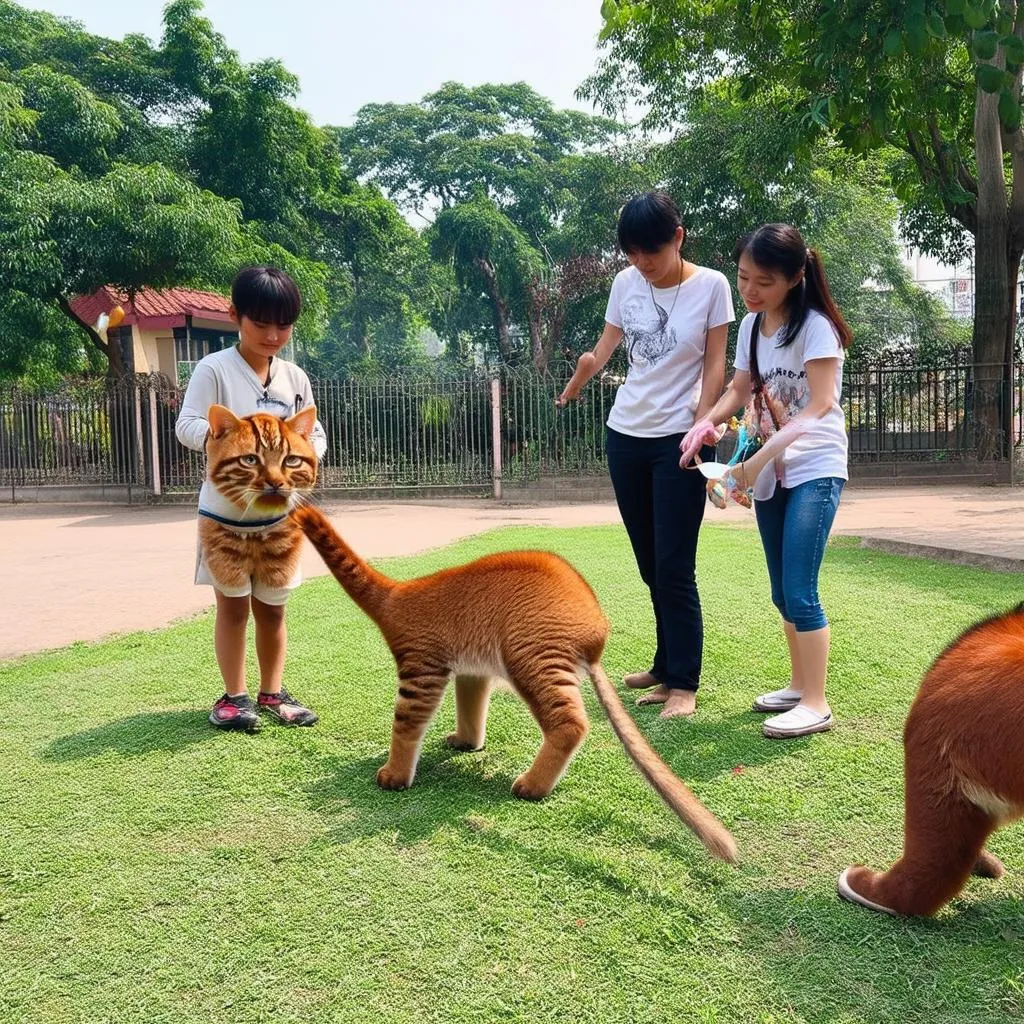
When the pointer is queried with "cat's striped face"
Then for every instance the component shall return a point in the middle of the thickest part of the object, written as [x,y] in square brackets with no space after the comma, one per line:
[261,463]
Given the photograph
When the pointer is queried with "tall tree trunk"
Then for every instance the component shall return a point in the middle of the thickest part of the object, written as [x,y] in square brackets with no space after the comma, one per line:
[536,322]
[115,364]
[993,305]
[549,332]
[1006,407]
[546,316]
[499,306]
[1013,143]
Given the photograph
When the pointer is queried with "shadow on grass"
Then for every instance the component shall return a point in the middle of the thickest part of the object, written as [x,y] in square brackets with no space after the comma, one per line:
[825,956]
[444,792]
[719,747]
[451,794]
[131,737]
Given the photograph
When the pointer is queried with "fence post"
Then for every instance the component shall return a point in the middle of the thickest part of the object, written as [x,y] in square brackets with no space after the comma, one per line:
[154,442]
[138,454]
[496,436]
[1012,374]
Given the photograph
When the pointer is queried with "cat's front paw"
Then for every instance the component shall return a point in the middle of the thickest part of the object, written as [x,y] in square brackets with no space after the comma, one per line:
[389,778]
[525,789]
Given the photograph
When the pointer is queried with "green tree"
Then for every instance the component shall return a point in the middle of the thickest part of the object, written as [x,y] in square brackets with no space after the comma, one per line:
[738,164]
[384,279]
[137,165]
[517,191]
[134,227]
[938,80]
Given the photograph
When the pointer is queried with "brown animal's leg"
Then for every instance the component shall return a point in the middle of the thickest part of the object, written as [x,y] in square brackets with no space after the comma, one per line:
[945,834]
[557,705]
[472,695]
[988,865]
[418,699]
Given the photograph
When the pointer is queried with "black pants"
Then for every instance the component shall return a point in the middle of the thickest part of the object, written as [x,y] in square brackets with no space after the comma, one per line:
[662,507]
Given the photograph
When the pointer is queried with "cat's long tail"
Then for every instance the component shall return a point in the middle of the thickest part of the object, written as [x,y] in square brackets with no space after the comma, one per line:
[708,829]
[367,587]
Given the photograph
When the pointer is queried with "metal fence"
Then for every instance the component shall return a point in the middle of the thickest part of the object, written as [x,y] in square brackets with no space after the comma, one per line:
[463,431]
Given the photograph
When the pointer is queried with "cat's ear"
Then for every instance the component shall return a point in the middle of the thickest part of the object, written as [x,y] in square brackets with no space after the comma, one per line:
[303,421]
[221,420]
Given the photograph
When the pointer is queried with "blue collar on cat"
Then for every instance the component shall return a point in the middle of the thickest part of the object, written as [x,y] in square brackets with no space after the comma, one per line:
[243,524]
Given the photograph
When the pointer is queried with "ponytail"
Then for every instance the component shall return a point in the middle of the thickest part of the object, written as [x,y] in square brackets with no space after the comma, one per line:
[780,247]
[818,295]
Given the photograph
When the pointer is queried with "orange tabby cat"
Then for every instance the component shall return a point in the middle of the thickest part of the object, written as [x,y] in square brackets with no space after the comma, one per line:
[525,616]
[259,467]
[963,748]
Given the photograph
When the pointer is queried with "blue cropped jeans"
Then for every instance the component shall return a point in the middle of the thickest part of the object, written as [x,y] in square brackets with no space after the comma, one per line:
[794,524]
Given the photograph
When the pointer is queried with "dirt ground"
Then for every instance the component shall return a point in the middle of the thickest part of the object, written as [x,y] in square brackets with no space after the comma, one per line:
[84,572]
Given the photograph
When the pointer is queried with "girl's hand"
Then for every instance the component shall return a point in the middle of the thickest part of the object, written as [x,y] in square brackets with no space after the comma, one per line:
[586,367]
[701,433]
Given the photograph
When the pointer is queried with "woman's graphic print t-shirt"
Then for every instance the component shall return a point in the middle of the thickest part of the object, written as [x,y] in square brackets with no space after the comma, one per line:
[665,334]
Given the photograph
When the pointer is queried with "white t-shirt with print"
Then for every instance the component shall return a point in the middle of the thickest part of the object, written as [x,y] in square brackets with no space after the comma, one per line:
[665,332]
[822,450]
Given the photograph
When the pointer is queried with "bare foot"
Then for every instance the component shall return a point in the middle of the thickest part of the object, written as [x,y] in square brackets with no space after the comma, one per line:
[640,680]
[658,695]
[680,704]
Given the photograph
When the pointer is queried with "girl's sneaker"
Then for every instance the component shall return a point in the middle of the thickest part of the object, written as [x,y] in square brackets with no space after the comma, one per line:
[778,700]
[285,708]
[235,713]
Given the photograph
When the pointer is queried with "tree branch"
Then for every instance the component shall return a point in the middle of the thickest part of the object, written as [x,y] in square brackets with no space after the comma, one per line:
[947,156]
[932,174]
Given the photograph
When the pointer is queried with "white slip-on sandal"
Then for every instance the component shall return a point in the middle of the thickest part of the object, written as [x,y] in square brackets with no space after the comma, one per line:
[848,893]
[798,721]
[778,700]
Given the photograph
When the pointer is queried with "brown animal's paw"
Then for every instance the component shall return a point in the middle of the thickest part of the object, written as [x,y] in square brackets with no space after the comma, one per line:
[988,865]
[454,741]
[388,778]
[857,884]
[524,789]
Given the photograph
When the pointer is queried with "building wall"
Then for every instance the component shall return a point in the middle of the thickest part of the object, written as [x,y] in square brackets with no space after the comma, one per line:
[952,285]
[165,355]
[154,350]
[146,357]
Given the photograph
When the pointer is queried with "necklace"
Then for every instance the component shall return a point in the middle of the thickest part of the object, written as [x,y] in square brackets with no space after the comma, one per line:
[664,317]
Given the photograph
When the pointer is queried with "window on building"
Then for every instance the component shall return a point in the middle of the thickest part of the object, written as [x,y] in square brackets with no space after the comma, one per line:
[193,343]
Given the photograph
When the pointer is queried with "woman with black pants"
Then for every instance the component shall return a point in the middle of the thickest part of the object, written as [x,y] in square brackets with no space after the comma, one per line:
[673,318]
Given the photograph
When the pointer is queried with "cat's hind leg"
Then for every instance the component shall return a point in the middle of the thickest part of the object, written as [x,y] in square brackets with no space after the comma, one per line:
[556,703]
[472,698]
[419,694]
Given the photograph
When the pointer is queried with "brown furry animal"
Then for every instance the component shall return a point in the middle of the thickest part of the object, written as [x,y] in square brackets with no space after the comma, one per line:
[260,466]
[525,616]
[964,771]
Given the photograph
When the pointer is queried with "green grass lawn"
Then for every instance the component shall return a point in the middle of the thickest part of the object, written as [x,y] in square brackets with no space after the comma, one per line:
[152,869]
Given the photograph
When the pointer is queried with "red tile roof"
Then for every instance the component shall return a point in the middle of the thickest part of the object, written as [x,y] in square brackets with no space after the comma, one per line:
[154,308]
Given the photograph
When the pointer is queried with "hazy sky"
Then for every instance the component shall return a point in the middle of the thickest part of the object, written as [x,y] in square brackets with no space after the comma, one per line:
[350,52]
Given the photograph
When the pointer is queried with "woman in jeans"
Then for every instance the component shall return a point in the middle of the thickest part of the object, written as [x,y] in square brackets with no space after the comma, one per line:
[672,316]
[792,372]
